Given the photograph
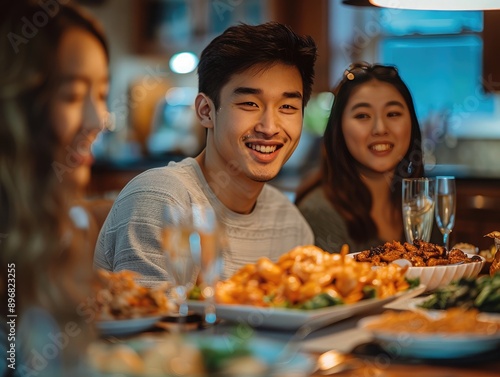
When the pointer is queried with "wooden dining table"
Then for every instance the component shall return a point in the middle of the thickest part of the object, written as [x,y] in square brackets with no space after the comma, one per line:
[373,361]
[346,338]
[365,357]
[357,344]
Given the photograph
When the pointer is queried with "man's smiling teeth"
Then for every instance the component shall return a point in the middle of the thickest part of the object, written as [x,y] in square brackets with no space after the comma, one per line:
[381,147]
[262,148]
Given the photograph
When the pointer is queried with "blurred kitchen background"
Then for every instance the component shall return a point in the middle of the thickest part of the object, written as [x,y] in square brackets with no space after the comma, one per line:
[449,59]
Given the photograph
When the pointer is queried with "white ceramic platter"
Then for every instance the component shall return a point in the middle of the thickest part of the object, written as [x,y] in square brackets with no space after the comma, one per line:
[431,346]
[292,319]
[124,327]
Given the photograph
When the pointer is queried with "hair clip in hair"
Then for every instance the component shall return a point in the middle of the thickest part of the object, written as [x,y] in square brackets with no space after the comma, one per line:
[360,69]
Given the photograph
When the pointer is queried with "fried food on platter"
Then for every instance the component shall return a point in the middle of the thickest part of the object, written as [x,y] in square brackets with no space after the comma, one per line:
[495,263]
[495,234]
[308,273]
[420,254]
[118,296]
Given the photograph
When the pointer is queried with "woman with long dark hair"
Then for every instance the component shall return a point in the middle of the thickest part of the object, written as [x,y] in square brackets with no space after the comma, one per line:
[372,141]
[53,91]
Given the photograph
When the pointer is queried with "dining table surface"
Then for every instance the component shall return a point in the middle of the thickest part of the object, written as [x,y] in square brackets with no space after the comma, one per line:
[348,339]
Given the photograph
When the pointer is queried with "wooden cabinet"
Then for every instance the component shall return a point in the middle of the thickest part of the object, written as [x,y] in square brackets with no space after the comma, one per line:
[109,182]
[108,179]
[305,18]
[478,211]
[491,53]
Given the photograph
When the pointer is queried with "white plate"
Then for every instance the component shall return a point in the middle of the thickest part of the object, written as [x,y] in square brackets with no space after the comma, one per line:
[292,319]
[430,346]
[122,327]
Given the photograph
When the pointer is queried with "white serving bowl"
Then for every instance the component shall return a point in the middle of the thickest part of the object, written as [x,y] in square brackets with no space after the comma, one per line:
[438,276]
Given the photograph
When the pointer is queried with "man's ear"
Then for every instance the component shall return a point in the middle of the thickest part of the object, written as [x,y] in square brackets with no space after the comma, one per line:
[205,110]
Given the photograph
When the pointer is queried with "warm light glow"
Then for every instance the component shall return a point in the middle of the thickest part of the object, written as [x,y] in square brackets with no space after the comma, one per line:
[439,4]
[183,62]
[330,359]
[478,201]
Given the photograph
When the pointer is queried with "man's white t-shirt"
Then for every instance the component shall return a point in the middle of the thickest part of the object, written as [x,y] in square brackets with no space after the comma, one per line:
[130,238]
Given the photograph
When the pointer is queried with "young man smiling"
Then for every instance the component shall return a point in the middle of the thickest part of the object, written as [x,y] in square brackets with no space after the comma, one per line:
[254,82]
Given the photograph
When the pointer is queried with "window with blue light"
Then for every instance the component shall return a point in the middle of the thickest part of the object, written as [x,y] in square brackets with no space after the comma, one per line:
[407,22]
[224,14]
[439,56]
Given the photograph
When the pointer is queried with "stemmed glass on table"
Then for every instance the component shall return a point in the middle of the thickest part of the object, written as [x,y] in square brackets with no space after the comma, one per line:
[418,208]
[192,247]
[177,236]
[445,206]
[208,255]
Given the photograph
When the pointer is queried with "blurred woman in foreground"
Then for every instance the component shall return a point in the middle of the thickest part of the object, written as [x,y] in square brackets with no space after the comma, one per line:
[53,90]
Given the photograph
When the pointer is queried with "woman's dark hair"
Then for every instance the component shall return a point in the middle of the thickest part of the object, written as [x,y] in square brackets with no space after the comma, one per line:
[339,177]
[244,46]
[38,235]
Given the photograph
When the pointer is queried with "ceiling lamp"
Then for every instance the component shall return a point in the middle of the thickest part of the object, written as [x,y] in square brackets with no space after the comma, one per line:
[438,4]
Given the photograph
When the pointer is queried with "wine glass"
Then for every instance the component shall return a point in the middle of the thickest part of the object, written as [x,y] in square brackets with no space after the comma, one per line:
[178,236]
[445,206]
[208,255]
[418,208]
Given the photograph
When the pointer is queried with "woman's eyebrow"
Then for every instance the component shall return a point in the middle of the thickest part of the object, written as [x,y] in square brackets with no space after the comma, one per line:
[395,103]
[366,104]
[360,104]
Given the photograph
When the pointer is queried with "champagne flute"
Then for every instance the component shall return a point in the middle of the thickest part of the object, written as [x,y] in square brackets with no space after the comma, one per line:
[208,254]
[418,208]
[445,206]
[178,235]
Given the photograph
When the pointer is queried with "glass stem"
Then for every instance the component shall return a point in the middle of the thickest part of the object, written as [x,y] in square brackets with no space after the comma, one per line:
[210,314]
[446,240]
[183,307]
